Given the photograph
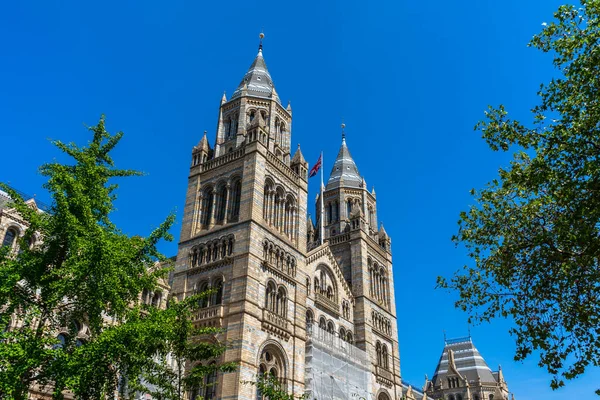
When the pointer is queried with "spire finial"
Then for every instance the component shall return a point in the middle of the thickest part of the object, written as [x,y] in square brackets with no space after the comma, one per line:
[261,36]
[343,131]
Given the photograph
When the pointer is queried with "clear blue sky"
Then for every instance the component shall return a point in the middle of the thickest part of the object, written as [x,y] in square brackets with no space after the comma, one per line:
[410,79]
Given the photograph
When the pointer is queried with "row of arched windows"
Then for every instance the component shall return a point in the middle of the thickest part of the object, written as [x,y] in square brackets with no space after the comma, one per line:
[382,355]
[329,327]
[152,298]
[216,298]
[381,323]
[280,210]
[453,382]
[279,258]
[325,284]
[214,250]
[332,209]
[231,125]
[276,299]
[379,282]
[220,203]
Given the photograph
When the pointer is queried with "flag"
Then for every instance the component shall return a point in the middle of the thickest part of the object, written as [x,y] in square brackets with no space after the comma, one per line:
[316,167]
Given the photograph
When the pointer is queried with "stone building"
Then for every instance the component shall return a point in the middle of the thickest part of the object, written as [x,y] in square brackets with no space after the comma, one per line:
[317,312]
[463,374]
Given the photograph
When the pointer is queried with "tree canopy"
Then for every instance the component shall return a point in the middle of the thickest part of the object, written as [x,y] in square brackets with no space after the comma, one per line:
[534,231]
[73,267]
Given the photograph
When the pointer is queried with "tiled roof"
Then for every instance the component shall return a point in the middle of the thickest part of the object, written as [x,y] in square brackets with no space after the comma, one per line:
[257,81]
[469,362]
[344,172]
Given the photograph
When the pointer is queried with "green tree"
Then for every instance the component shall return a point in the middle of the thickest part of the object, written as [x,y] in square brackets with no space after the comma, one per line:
[182,362]
[271,388]
[534,232]
[84,269]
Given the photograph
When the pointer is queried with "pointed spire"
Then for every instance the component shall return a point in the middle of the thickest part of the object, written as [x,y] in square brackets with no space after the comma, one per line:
[289,107]
[409,393]
[298,157]
[257,81]
[224,98]
[344,172]
[500,374]
[382,233]
[373,192]
[203,144]
[310,227]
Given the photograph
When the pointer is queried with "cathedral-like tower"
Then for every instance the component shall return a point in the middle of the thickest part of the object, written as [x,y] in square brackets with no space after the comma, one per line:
[318,313]
[363,255]
[244,232]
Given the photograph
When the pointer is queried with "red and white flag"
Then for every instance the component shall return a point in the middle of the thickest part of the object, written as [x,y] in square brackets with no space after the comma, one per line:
[316,167]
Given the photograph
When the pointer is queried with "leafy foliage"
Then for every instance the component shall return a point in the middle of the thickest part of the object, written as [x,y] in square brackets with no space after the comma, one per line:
[534,232]
[271,388]
[177,365]
[82,268]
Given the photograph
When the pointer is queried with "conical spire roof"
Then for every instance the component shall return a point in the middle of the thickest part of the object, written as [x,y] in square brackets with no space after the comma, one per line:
[257,81]
[344,172]
[467,360]
[203,144]
[298,157]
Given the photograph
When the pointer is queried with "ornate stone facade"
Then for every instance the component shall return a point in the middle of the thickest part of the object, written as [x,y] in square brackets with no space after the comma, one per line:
[245,227]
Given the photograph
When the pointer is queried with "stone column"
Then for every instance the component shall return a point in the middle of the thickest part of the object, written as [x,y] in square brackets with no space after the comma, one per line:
[214,209]
[227,197]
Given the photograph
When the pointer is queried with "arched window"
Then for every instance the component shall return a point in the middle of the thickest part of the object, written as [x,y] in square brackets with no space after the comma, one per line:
[271,296]
[349,337]
[9,237]
[62,341]
[310,318]
[451,397]
[272,362]
[218,296]
[236,193]
[207,206]
[156,299]
[281,302]
[459,396]
[378,352]
[491,397]
[384,357]
[322,323]
[383,396]
[330,327]
[210,387]
[221,203]
[204,300]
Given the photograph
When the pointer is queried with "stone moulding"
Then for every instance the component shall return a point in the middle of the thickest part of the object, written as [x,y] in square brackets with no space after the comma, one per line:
[276,324]
[328,304]
[384,376]
[279,273]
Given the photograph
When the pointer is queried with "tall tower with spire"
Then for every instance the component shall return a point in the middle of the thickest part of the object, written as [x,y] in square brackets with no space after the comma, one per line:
[362,252]
[244,234]
[314,310]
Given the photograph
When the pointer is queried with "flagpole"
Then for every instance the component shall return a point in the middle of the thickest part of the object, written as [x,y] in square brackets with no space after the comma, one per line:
[322,227]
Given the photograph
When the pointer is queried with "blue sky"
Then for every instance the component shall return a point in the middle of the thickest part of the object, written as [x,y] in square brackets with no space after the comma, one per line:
[410,80]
